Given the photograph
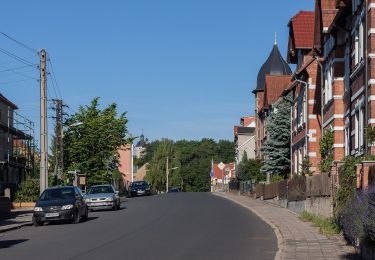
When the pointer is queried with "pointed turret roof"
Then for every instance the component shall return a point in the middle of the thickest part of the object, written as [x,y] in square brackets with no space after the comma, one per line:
[274,65]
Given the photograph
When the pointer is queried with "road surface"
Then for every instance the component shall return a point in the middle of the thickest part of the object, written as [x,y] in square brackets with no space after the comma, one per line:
[171,226]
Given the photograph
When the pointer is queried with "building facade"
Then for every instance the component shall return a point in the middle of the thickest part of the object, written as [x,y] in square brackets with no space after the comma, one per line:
[16,146]
[244,138]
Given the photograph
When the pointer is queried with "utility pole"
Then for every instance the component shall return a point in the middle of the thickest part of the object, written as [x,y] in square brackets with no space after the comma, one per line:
[167,175]
[43,123]
[59,160]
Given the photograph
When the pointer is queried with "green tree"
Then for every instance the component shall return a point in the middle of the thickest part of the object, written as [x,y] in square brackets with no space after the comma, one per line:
[277,147]
[91,146]
[249,169]
[156,170]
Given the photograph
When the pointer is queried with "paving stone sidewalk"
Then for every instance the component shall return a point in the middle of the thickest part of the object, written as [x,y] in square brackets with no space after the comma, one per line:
[20,218]
[296,239]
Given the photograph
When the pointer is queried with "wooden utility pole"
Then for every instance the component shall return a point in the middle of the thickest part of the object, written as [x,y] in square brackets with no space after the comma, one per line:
[43,123]
[59,163]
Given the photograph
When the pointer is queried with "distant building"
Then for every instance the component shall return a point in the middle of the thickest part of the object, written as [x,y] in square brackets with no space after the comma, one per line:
[244,138]
[140,147]
[220,177]
[273,78]
[16,146]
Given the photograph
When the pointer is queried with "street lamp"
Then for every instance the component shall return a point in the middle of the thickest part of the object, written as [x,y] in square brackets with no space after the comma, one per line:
[167,174]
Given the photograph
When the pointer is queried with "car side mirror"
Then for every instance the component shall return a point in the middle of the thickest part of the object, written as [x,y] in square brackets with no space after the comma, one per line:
[117,192]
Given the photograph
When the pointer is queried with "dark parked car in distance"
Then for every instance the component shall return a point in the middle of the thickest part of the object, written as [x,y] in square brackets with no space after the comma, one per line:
[63,203]
[173,189]
[139,188]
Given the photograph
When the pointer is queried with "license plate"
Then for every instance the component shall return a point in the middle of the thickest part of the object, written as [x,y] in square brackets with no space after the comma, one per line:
[98,204]
[52,215]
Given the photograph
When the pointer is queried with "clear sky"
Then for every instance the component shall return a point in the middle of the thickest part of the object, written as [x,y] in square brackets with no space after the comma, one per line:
[182,69]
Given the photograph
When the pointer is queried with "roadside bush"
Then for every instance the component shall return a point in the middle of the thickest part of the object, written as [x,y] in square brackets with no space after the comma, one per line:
[28,190]
[369,216]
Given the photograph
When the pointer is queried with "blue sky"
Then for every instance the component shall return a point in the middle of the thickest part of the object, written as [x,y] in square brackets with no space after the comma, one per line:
[182,69]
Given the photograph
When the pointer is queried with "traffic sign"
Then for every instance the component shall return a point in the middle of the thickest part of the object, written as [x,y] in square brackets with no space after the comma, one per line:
[221,166]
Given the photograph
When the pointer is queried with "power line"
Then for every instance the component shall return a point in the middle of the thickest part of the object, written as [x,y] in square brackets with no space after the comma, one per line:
[19,43]
[19,73]
[22,60]
[11,69]
[53,75]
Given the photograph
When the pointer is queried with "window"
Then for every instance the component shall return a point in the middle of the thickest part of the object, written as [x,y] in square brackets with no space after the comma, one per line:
[359,42]
[355,4]
[328,84]
[358,128]
[295,162]
[347,68]
[347,139]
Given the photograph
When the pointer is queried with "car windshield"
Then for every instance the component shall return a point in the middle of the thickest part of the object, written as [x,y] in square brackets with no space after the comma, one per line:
[139,184]
[100,189]
[55,194]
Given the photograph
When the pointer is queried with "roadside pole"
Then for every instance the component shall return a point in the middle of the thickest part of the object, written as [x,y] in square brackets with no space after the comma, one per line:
[43,124]
[167,176]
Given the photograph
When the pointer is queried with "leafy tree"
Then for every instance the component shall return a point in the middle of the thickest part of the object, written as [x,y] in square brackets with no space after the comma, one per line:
[92,145]
[249,169]
[156,171]
[193,159]
[277,147]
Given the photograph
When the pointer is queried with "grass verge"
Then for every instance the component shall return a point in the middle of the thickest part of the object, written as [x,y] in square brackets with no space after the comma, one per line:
[327,226]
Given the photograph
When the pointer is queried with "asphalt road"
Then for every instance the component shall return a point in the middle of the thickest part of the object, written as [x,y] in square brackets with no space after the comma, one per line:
[171,226]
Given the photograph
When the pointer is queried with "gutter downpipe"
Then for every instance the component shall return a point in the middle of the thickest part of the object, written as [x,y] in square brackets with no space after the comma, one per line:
[366,76]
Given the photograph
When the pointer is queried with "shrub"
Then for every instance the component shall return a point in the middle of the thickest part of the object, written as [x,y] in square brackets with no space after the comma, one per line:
[369,216]
[28,190]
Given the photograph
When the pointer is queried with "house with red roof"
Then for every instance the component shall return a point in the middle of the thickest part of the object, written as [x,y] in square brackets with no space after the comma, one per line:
[222,176]
[305,93]
[244,138]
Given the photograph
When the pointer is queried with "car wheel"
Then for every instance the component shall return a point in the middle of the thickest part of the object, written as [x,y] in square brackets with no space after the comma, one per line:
[76,217]
[119,205]
[86,215]
[115,206]
[37,223]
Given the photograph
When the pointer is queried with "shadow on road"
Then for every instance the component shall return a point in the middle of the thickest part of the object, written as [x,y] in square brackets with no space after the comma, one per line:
[10,243]
[353,256]
[68,223]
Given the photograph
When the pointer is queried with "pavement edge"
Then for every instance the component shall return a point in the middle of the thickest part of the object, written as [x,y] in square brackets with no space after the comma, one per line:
[279,237]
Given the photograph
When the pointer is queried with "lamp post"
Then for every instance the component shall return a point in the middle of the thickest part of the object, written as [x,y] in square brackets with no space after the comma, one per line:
[167,175]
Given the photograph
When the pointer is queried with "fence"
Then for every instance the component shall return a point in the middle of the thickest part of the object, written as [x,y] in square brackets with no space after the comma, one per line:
[297,189]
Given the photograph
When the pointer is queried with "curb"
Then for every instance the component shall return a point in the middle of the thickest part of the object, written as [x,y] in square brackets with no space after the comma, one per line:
[15,226]
[279,237]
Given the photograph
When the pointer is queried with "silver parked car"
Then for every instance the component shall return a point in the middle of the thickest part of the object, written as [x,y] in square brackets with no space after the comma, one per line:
[102,197]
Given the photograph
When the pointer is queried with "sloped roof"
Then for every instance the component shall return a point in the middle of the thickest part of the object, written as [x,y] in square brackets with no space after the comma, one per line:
[246,121]
[274,87]
[302,25]
[274,65]
[7,102]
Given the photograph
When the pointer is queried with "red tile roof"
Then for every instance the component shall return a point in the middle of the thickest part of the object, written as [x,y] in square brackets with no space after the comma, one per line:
[275,85]
[302,25]
[218,174]
[247,120]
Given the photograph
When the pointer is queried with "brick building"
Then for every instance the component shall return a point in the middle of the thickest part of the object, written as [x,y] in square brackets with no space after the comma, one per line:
[305,93]
[273,78]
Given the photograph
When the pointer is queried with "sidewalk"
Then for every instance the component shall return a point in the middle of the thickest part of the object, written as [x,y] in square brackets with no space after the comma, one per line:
[20,218]
[296,239]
